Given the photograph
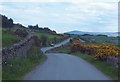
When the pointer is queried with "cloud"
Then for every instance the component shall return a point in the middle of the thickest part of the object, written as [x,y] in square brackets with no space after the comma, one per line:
[68,1]
[64,15]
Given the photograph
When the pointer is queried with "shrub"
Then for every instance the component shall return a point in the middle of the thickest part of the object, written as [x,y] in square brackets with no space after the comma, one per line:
[21,33]
[44,40]
[37,41]
[100,52]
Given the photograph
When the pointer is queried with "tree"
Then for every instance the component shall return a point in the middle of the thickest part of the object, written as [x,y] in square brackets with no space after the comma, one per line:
[6,23]
[33,27]
[30,26]
[19,25]
[71,40]
[10,23]
[21,33]
[46,29]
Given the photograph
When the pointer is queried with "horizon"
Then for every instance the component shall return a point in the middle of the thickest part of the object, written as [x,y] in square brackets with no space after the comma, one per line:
[65,15]
[91,31]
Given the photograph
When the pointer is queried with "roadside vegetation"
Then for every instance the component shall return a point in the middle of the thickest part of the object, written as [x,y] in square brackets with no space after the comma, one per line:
[99,52]
[102,65]
[18,68]
[0,74]
[9,38]
[48,38]
[13,33]
[95,50]
[0,37]
[99,39]
[61,49]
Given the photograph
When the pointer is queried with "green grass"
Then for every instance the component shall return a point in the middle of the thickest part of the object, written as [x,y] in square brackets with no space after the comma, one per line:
[39,34]
[100,39]
[59,50]
[0,37]
[20,67]
[9,38]
[0,75]
[50,37]
[102,66]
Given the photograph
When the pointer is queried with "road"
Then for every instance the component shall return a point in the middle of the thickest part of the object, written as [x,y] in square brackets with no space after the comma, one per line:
[57,45]
[82,40]
[64,67]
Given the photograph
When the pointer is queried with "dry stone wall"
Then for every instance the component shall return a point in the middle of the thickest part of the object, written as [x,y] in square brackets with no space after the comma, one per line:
[17,50]
[113,61]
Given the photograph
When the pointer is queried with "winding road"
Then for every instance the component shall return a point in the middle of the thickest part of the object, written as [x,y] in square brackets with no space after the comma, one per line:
[57,45]
[60,66]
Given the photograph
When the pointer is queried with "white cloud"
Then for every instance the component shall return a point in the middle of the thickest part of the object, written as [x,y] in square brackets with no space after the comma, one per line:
[76,14]
[70,1]
[93,6]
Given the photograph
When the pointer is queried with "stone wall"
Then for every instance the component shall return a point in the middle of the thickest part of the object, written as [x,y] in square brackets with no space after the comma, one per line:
[113,61]
[17,50]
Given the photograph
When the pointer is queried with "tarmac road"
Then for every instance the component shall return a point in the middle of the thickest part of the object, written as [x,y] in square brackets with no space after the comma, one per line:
[65,67]
[60,66]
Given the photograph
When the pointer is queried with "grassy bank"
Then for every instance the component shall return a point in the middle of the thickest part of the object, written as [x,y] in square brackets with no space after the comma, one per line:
[0,75]
[16,69]
[102,66]
[9,38]
[51,38]
[101,39]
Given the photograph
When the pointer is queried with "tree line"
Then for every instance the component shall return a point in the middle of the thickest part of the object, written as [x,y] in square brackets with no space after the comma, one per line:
[42,29]
[9,23]
[6,22]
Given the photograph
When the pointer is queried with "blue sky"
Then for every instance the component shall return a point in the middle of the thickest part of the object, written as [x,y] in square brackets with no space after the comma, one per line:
[64,15]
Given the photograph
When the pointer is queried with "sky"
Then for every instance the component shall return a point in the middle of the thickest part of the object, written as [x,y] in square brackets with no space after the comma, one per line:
[64,15]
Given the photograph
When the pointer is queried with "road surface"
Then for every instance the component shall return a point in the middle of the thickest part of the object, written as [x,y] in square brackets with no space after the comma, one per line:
[82,40]
[57,45]
[64,67]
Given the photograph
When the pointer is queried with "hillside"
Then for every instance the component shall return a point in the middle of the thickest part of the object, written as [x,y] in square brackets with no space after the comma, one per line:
[93,33]
[21,47]
[13,33]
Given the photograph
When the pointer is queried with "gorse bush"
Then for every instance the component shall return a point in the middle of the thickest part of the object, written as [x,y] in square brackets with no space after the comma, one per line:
[98,51]
[105,50]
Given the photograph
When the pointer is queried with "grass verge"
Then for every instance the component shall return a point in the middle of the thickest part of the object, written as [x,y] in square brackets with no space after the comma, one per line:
[102,66]
[59,50]
[9,38]
[0,75]
[22,66]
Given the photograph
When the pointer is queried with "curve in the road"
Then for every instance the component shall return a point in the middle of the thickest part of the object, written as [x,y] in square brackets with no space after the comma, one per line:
[65,67]
[60,66]
[57,45]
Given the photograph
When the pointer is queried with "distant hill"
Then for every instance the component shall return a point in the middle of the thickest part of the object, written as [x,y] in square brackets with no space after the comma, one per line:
[94,33]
